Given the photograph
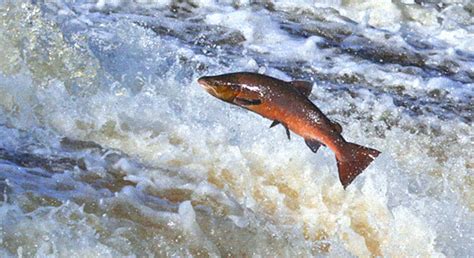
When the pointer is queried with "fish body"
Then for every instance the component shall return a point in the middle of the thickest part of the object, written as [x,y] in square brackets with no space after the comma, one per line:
[287,103]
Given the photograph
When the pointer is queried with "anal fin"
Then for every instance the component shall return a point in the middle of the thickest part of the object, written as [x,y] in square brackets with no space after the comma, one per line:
[313,144]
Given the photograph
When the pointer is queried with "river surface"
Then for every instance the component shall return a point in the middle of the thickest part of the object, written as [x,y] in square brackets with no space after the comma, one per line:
[109,147]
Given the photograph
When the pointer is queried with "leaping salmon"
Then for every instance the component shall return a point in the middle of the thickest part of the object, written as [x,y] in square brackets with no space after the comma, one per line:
[287,103]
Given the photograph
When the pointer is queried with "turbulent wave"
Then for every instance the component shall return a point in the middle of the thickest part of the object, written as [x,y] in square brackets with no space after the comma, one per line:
[108,147]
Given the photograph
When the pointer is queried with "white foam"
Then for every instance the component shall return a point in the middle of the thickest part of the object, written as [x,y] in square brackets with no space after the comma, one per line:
[212,178]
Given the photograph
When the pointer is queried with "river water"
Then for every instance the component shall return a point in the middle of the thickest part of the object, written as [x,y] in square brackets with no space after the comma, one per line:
[109,147]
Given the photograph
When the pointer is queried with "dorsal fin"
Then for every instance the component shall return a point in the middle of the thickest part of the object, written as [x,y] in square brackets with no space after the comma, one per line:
[336,126]
[303,86]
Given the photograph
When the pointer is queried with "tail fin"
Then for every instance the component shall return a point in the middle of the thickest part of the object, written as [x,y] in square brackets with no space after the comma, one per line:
[354,160]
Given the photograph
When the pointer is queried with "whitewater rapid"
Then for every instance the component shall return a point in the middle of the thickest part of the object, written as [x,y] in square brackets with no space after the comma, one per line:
[109,147]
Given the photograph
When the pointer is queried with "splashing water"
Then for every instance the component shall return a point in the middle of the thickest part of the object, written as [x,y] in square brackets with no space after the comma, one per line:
[108,146]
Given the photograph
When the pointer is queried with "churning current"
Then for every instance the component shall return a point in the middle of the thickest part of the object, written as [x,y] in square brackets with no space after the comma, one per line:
[109,147]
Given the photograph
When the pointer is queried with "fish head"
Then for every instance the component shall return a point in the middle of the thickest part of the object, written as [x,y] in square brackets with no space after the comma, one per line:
[237,88]
[222,88]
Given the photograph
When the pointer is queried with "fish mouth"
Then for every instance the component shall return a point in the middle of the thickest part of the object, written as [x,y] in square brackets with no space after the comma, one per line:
[204,82]
[221,91]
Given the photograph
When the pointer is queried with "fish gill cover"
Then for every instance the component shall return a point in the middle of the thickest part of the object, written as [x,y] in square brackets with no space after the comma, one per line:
[109,148]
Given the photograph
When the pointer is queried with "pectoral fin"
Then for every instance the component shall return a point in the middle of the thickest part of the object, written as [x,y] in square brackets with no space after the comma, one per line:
[247,102]
[313,144]
[303,86]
